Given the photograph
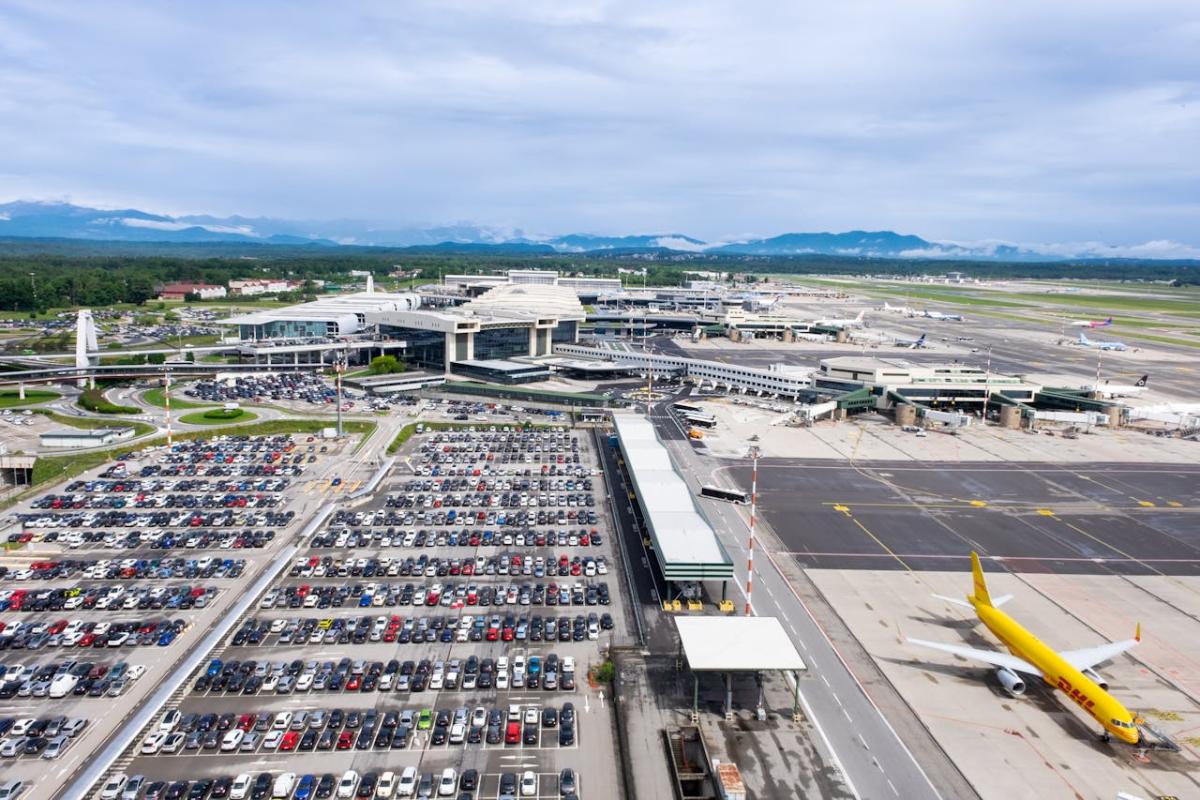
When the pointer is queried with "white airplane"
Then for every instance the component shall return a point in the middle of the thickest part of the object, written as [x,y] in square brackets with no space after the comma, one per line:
[1089,323]
[1086,342]
[856,322]
[865,337]
[943,317]
[1111,390]
[760,303]
[912,344]
[897,309]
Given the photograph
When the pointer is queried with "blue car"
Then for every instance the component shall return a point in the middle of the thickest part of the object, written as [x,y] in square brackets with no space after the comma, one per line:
[304,789]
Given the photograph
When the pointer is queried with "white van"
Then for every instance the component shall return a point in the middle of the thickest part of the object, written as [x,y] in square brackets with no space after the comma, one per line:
[284,785]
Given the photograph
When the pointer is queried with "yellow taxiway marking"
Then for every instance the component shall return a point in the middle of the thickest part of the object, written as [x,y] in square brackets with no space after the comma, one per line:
[353,485]
[844,509]
[1174,504]
[1145,504]
[979,503]
[1045,512]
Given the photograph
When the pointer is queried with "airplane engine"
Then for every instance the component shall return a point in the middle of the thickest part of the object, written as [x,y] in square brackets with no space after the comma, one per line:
[1011,682]
[1096,678]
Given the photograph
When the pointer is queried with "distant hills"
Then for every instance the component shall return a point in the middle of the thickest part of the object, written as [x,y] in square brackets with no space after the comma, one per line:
[53,220]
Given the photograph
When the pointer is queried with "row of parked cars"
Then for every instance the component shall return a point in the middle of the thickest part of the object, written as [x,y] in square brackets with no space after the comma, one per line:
[477,537]
[170,499]
[418,630]
[294,386]
[59,679]
[44,737]
[500,564]
[407,782]
[151,485]
[251,677]
[80,633]
[454,595]
[111,569]
[90,597]
[121,518]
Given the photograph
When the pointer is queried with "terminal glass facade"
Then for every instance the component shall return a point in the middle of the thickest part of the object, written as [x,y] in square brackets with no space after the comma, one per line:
[501,343]
[288,329]
[565,332]
[425,349]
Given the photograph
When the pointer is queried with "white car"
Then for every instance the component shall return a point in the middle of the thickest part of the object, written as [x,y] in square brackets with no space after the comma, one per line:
[114,786]
[232,740]
[347,784]
[272,739]
[448,783]
[529,784]
[168,721]
[387,784]
[284,784]
[240,787]
[154,742]
[408,782]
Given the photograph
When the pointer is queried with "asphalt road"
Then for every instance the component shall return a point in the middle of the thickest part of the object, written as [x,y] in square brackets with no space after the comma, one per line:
[872,757]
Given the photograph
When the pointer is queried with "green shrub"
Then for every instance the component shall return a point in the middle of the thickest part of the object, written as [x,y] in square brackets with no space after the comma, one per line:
[94,400]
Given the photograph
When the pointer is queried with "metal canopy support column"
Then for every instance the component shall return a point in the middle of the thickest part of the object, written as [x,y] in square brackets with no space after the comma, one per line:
[728,695]
[695,697]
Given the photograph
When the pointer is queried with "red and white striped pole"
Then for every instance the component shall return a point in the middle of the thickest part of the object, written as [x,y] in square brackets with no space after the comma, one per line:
[753,519]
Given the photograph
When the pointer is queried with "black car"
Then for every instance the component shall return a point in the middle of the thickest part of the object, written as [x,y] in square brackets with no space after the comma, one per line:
[176,790]
[262,786]
[469,780]
[325,786]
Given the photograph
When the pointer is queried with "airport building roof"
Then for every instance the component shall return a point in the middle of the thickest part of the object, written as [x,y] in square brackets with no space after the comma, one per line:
[736,644]
[685,543]
[526,301]
[332,308]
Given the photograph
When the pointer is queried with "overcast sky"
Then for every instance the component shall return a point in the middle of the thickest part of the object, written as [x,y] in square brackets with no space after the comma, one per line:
[1022,121]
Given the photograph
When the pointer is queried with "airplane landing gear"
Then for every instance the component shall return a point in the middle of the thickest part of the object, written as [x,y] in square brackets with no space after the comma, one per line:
[1106,737]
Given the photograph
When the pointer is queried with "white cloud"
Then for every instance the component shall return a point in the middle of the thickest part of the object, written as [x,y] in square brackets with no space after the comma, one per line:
[1074,121]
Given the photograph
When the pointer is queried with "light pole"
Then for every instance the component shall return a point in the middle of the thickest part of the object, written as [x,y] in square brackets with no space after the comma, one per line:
[167,404]
[339,366]
[754,451]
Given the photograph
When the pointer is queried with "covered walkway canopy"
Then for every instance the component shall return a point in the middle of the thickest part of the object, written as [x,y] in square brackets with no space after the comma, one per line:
[685,544]
[737,645]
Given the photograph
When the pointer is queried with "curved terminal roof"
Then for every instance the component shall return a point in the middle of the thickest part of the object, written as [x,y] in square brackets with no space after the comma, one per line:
[527,301]
[685,543]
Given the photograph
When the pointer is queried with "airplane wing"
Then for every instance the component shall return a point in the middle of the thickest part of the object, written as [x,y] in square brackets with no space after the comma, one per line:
[996,659]
[1089,657]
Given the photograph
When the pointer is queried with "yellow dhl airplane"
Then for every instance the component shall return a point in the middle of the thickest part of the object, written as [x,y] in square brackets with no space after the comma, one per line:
[1070,671]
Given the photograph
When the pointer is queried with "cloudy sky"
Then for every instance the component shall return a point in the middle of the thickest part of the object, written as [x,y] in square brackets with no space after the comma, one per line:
[1021,121]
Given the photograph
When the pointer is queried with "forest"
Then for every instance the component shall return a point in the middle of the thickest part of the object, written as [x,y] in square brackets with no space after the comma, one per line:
[37,275]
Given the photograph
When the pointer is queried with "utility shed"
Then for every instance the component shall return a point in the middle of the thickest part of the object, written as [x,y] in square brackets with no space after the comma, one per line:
[736,645]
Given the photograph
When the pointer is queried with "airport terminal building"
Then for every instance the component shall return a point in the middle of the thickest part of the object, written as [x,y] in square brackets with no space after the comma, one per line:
[505,322]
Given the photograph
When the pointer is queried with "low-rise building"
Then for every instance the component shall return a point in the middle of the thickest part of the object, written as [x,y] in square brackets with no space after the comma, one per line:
[929,384]
[180,290]
[77,438]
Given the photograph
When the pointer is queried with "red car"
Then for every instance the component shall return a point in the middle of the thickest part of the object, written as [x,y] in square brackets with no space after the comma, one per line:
[345,740]
[512,734]
[353,683]
[290,739]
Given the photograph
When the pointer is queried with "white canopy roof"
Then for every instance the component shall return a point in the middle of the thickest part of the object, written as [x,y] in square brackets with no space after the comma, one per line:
[737,644]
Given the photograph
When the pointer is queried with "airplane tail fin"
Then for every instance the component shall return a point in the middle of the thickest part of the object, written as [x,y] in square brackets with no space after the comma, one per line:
[1142,381]
[1108,321]
[1083,339]
[859,318]
[981,596]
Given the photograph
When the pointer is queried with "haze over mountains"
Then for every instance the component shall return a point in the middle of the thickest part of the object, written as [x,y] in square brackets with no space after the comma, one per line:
[52,220]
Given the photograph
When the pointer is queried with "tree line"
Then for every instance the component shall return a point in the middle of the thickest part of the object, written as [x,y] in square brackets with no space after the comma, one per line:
[71,274]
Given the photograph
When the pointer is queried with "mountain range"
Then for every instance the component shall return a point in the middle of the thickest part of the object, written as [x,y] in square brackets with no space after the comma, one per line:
[55,220]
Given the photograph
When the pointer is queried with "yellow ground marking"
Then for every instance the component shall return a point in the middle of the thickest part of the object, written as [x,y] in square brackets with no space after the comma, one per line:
[1045,512]
[1145,504]
[979,503]
[1174,504]
[844,509]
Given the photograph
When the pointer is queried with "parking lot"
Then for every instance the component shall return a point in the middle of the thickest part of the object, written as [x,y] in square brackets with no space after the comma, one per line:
[448,621]
[109,579]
